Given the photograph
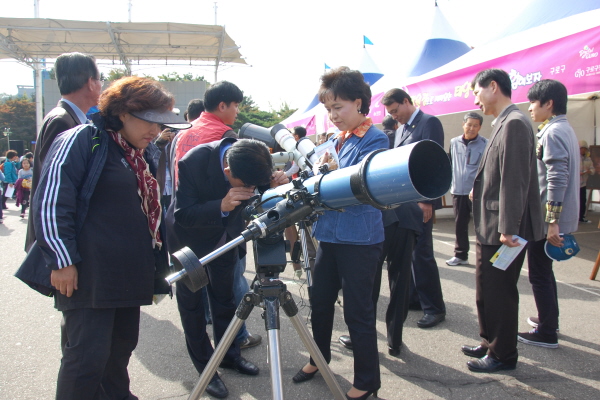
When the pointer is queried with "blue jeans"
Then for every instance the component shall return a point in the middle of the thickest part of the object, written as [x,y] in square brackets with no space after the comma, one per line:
[240,288]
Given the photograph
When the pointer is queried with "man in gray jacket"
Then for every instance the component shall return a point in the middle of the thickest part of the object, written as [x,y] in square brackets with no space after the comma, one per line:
[558,168]
[465,152]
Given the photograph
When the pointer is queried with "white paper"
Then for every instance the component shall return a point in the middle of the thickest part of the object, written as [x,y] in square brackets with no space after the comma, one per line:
[327,147]
[10,190]
[506,255]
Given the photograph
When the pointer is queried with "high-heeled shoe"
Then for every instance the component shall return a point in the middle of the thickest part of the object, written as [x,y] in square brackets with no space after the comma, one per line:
[364,396]
[302,376]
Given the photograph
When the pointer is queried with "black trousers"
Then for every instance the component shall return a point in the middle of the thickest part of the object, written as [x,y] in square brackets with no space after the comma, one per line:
[497,299]
[351,268]
[582,202]
[397,249]
[426,287]
[97,345]
[193,319]
[543,283]
[462,217]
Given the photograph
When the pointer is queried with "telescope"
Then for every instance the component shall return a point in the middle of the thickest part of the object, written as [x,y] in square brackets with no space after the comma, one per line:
[303,150]
[383,179]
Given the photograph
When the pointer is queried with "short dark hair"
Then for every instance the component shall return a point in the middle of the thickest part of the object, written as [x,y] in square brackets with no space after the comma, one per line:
[222,91]
[485,77]
[73,70]
[348,85]
[300,131]
[389,122]
[194,109]
[10,154]
[549,89]
[132,93]
[250,161]
[395,96]
[28,155]
[473,115]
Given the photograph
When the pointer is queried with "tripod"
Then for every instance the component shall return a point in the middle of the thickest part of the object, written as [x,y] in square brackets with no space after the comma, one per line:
[272,294]
[269,292]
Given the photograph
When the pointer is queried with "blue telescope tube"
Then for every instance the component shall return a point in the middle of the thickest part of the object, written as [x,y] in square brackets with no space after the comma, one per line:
[383,179]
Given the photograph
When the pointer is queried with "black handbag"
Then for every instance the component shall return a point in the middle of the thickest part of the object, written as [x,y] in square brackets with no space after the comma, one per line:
[34,272]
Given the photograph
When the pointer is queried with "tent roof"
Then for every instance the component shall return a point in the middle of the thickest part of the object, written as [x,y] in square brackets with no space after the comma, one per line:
[28,39]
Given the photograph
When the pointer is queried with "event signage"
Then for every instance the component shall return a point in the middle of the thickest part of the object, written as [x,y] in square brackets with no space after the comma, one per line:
[574,60]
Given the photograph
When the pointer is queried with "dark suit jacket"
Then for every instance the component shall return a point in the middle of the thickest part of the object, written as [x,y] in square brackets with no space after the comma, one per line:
[194,217]
[424,127]
[61,118]
[506,196]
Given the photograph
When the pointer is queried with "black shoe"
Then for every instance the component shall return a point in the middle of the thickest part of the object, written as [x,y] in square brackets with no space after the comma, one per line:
[302,376]
[346,341]
[364,396]
[488,364]
[394,351]
[474,351]
[415,306]
[241,365]
[430,320]
[216,388]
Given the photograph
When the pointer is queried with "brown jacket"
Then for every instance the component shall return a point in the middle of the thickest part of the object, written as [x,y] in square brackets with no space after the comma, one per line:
[506,196]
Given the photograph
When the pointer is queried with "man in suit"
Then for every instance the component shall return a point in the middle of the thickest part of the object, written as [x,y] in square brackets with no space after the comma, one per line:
[215,180]
[426,283]
[80,86]
[506,203]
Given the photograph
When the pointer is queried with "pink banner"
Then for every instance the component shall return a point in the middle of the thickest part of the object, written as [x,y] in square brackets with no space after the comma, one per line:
[574,60]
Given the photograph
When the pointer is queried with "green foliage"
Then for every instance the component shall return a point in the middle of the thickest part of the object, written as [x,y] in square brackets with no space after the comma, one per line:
[249,112]
[174,76]
[114,74]
[18,114]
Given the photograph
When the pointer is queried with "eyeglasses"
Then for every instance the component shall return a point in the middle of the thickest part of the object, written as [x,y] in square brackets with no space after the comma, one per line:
[99,80]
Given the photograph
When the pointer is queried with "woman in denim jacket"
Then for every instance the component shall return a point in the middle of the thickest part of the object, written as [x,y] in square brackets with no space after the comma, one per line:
[350,242]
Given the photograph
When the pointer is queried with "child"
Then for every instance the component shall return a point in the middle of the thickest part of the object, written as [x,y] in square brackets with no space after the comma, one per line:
[25,174]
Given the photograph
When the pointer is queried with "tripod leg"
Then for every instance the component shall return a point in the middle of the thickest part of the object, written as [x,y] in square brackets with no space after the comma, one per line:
[290,309]
[272,326]
[241,315]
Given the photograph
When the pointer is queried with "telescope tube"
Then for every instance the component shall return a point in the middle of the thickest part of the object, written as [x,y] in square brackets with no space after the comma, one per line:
[383,179]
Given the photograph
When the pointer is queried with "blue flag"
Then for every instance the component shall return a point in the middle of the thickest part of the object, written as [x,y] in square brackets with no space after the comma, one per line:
[366,40]
[327,66]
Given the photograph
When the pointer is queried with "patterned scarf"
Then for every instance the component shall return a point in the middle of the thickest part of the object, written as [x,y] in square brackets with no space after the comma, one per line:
[147,186]
[359,132]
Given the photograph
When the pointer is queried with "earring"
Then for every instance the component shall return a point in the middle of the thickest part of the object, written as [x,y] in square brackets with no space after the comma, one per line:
[358,110]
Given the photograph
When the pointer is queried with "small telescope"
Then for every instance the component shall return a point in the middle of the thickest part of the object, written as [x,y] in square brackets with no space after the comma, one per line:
[303,150]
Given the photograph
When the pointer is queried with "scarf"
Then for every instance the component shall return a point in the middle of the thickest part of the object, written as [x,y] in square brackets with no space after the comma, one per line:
[358,132]
[147,186]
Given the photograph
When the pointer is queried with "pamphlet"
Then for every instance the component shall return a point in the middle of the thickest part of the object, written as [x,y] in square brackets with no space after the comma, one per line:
[506,255]
[328,147]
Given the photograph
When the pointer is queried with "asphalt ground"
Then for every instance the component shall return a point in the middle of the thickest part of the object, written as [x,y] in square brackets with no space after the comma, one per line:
[431,365]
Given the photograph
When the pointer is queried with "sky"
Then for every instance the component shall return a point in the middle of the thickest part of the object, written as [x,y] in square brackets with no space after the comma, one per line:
[286,43]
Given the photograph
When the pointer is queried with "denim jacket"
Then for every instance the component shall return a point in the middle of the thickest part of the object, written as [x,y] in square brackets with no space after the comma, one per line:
[361,224]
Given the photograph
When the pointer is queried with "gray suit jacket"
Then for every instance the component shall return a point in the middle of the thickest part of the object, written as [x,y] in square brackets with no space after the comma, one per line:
[506,196]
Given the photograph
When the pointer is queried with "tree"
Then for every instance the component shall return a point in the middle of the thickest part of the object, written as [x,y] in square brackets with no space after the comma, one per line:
[174,76]
[114,74]
[249,112]
[18,114]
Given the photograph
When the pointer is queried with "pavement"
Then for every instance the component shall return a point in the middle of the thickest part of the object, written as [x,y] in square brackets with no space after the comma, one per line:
[430,366]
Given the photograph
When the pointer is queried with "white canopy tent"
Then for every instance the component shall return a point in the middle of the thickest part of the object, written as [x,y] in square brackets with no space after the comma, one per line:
[32,40]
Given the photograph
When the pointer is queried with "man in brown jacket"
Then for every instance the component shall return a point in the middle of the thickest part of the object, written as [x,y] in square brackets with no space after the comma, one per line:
[506,204]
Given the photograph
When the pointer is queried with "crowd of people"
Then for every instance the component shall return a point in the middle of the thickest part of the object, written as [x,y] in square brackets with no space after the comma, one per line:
[16,176]
[113,196]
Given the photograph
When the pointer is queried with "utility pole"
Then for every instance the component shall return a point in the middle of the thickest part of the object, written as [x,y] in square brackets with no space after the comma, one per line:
[37,68]
[215,12]
[129,10]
